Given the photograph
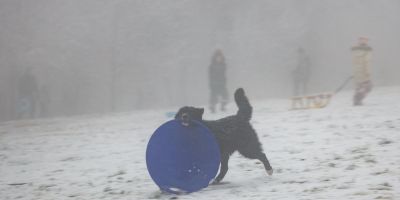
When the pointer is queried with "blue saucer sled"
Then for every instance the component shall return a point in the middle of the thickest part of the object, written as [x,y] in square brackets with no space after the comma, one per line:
[182,158]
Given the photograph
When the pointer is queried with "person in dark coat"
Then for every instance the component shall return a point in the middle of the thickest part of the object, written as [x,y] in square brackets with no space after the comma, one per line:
[301,74]
[27,95]
[217,81]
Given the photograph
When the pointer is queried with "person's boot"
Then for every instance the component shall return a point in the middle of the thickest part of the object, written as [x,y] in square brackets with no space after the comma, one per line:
[357,100]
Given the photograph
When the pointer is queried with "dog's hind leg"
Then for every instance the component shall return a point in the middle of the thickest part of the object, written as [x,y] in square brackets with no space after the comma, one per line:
[255,153]
[224,168]
[263,158]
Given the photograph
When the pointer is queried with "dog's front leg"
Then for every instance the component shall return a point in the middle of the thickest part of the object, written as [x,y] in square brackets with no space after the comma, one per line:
[224,168]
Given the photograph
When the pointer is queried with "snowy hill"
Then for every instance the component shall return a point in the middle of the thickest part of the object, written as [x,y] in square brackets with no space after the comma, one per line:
[340,152]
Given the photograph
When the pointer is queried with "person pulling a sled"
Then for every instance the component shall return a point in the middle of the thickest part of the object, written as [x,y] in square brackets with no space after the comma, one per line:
[361,54]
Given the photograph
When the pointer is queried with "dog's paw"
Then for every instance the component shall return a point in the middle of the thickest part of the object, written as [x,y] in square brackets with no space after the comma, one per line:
[215,182]
[270,172]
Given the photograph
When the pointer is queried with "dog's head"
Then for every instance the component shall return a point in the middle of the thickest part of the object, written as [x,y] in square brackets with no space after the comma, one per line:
[187,114]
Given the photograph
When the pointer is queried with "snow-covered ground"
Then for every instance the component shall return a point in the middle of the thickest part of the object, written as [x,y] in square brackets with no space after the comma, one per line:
[339,152]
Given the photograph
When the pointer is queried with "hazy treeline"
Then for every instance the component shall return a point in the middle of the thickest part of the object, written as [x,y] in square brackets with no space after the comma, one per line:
[97,56]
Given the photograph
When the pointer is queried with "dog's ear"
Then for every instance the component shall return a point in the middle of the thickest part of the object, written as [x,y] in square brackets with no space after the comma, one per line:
[201,111]
[179,113]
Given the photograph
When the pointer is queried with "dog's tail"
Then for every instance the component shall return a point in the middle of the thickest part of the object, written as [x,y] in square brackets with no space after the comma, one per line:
[245,109]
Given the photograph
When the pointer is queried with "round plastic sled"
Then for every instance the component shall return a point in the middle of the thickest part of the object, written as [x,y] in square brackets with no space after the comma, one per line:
[182,159]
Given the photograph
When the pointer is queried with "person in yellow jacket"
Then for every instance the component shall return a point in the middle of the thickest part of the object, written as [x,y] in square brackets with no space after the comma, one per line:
[361,63]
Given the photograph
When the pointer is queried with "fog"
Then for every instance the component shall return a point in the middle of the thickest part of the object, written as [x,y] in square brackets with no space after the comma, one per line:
[101,56]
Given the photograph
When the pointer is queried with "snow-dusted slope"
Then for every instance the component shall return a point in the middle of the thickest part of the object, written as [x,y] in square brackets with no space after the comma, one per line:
[340,152]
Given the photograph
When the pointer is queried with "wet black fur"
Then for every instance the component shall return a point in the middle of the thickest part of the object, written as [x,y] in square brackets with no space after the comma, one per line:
[233,133]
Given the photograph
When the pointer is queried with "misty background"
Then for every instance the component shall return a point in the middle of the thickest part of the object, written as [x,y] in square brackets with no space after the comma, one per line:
[100,56]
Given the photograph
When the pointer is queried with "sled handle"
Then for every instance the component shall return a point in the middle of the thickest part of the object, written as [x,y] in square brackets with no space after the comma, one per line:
[343,85]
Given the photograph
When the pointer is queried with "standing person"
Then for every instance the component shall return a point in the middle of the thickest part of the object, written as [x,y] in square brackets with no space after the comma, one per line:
[44,101]
[217,81]
[361,63]
[27,95]
[301,74]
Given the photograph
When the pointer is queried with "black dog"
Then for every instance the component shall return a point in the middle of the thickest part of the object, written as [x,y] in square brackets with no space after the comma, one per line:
[232,133]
